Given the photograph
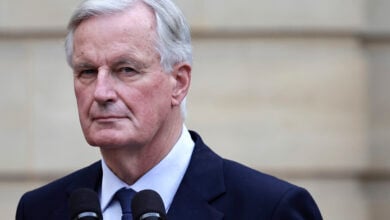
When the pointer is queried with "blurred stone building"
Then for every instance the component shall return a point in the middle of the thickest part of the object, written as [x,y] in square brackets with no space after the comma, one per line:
[298,89]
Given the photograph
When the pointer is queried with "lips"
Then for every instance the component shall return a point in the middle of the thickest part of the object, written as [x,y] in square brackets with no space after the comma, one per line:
[107,118]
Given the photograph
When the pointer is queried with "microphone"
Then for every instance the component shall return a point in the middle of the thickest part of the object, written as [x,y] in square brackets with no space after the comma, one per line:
[148,205]
[84,205]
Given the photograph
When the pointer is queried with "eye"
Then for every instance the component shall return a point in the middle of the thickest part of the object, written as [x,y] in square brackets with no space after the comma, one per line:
[86,76]
[126,71]
[87,73]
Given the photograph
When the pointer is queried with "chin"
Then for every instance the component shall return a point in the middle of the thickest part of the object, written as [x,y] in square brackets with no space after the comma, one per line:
[108,141]
[105,142]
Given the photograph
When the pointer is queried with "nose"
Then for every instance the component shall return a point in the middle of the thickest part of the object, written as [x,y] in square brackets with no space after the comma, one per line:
[104,88]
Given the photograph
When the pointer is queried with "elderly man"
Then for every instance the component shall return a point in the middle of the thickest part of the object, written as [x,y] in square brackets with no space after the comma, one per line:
[132,71]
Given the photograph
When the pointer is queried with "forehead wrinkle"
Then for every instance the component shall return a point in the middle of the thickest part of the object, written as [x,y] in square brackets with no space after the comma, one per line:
[103,50]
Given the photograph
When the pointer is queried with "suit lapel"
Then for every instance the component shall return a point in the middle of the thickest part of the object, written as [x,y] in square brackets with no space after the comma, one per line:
[90,177]
[201,185]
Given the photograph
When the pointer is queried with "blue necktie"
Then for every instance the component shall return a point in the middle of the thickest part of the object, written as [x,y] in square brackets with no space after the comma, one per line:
[124,196]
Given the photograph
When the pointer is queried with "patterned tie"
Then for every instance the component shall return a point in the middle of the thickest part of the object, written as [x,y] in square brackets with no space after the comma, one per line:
[124,196]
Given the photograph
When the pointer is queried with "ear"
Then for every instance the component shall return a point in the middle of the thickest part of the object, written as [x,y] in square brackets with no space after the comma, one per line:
[181,75]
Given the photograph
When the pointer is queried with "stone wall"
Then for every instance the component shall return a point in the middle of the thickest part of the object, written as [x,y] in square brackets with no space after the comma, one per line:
[296,89]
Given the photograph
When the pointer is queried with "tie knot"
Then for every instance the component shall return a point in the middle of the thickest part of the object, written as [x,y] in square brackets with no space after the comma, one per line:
[124,196]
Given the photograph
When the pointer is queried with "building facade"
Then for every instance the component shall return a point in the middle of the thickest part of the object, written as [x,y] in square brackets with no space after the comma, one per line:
[297,89]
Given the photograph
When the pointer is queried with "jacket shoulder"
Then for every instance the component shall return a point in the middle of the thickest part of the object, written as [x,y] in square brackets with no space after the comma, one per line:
[75,179]
[272,197]
[54,195]
[250,176]
[252,182]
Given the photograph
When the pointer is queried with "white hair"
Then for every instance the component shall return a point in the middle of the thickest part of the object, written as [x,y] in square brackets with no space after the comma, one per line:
[173,41]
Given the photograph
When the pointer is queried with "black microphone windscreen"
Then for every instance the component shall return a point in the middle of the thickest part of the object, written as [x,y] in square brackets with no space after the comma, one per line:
[84,204]
[148,203]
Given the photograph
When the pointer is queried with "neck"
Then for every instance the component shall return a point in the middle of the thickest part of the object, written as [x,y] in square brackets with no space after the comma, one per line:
[129,163]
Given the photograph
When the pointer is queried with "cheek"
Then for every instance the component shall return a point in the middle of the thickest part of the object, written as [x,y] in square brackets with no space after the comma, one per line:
[150,101]
[84,100]
[160,94]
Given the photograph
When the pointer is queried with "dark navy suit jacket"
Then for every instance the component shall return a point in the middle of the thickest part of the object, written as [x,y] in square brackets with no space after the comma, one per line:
[212,188]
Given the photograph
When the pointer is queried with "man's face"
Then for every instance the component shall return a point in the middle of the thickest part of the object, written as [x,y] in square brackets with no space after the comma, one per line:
[124,97]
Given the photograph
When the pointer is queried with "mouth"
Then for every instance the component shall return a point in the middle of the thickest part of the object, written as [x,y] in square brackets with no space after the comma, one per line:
[108,118]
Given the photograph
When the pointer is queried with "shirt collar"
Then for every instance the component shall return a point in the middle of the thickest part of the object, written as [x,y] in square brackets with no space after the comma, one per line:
[163,178]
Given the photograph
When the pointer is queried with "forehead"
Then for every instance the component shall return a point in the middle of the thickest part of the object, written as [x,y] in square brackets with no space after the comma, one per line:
[137,13]
[134,28]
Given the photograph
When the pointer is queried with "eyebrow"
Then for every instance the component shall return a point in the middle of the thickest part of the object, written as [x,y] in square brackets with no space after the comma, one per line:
[116,61]
[128,59]
[83,65]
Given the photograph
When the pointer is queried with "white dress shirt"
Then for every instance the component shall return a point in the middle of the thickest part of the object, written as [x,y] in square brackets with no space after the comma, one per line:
[163,178]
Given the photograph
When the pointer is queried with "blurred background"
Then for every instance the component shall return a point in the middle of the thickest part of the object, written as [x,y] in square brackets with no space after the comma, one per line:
[297,89]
